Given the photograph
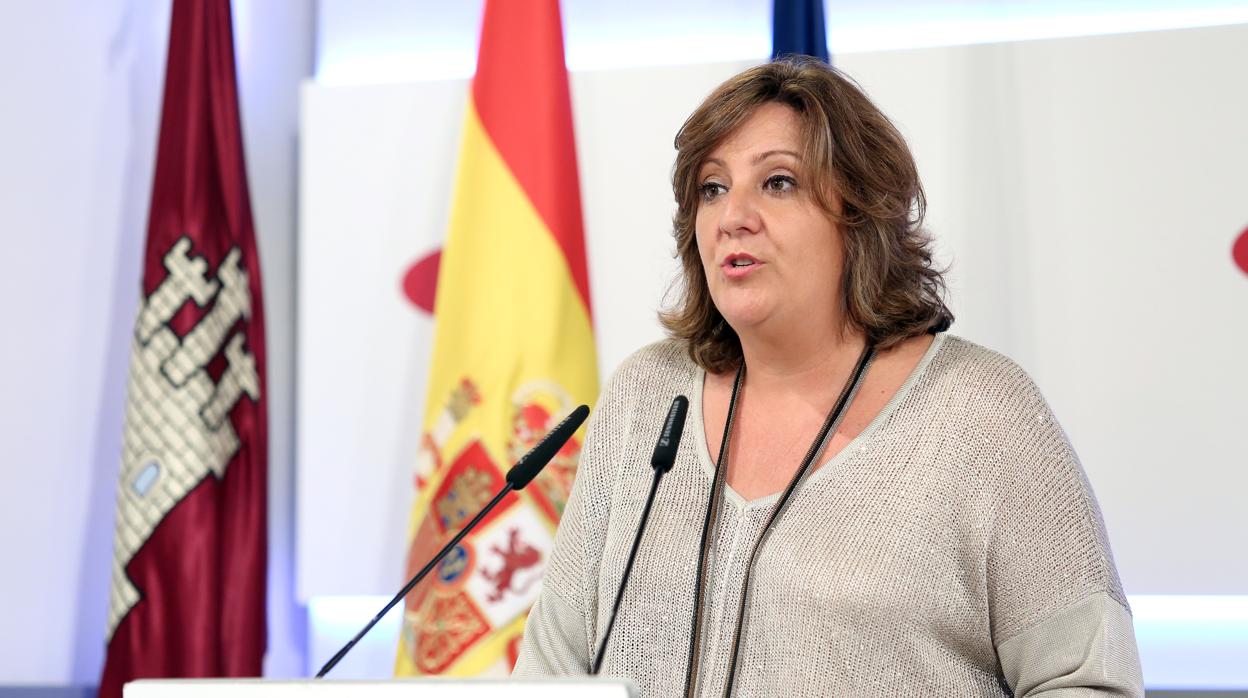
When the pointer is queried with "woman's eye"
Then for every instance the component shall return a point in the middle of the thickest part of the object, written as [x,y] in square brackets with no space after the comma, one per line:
[710,190]
[780,183]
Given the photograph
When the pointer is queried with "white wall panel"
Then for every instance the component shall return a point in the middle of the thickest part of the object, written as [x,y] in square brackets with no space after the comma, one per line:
[376,179]
[1086,192]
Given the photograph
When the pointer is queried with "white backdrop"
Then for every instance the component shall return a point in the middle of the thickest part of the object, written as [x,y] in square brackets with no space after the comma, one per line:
[1087,192]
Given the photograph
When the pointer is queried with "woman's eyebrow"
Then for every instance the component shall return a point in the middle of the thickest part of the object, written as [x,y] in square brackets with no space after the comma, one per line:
[754,160]
[764,155]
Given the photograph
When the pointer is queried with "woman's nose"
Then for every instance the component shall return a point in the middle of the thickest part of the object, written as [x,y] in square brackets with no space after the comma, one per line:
[740,213]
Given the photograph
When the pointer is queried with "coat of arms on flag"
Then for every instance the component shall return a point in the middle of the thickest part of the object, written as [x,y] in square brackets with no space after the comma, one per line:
[492,576]
[176,430]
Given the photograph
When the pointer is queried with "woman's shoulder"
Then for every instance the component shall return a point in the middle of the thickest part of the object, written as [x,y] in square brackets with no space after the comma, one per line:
[969,360]
[982,382]
[961,361]
[652,367]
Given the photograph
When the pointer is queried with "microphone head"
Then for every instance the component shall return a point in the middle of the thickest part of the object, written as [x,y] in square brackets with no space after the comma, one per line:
[669,439]
[531,463]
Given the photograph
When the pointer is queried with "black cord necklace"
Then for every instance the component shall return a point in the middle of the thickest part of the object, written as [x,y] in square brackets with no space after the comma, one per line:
[716,498]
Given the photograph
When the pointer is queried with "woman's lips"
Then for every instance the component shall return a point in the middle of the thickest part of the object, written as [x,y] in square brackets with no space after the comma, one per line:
[738,266]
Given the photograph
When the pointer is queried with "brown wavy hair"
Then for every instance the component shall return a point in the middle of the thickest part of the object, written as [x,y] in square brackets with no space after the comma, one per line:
[892,291]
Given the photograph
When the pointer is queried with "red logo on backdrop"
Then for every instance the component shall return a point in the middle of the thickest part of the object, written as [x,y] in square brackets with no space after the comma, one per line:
[420,281]
[1239,251]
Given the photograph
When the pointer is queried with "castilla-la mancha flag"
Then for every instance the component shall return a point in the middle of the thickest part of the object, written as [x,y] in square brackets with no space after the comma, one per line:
[188,581]
[513,351]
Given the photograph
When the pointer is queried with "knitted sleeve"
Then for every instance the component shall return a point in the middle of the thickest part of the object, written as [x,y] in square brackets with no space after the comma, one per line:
[1058,615]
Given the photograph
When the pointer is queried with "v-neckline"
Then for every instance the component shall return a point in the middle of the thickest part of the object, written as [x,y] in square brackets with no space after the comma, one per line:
[856,444]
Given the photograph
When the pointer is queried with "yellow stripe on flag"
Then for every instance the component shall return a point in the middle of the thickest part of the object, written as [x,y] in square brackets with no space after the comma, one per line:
[506,310]
[513,353]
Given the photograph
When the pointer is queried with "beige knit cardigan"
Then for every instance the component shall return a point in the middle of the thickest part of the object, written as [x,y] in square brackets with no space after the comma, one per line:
[953,548]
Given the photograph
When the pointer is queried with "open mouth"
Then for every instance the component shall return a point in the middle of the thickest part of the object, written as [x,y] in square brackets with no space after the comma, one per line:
[739,262]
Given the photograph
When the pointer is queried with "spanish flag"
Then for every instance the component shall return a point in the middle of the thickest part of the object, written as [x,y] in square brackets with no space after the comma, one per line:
[513,351]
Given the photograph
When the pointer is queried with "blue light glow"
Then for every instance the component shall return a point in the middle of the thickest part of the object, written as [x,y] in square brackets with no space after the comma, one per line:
[333,620]
[400,42]
[916,30]
[1192,641]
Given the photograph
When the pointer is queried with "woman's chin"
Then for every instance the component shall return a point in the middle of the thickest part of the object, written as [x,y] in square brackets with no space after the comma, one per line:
[745,320]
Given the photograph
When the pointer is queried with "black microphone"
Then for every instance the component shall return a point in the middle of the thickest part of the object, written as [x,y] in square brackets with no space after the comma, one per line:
[520,475]
[662,460]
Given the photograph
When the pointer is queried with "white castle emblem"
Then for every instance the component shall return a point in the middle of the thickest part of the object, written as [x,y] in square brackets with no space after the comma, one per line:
[177,431]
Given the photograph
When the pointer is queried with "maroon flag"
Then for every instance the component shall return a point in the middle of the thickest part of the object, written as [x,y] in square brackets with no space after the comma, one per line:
[188,581]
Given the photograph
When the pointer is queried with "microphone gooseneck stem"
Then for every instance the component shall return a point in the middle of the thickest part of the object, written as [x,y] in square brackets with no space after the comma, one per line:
[628,569]
[416,579]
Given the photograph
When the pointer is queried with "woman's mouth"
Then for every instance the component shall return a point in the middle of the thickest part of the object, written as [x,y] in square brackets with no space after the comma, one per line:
[736,266]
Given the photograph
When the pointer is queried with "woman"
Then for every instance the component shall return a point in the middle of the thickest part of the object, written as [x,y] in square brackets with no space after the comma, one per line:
[861,504]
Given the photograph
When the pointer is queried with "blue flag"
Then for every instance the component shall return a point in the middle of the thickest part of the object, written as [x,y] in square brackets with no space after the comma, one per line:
[797,27]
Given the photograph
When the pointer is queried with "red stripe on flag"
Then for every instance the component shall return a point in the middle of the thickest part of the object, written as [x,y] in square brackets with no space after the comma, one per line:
[521,94]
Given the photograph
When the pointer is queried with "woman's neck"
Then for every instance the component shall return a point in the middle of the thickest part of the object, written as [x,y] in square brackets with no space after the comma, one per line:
[802,360]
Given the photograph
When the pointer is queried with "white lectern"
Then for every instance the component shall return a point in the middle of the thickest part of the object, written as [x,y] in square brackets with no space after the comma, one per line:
[397,688]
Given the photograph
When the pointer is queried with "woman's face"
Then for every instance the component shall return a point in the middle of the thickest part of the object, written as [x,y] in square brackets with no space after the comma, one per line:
[773,258]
